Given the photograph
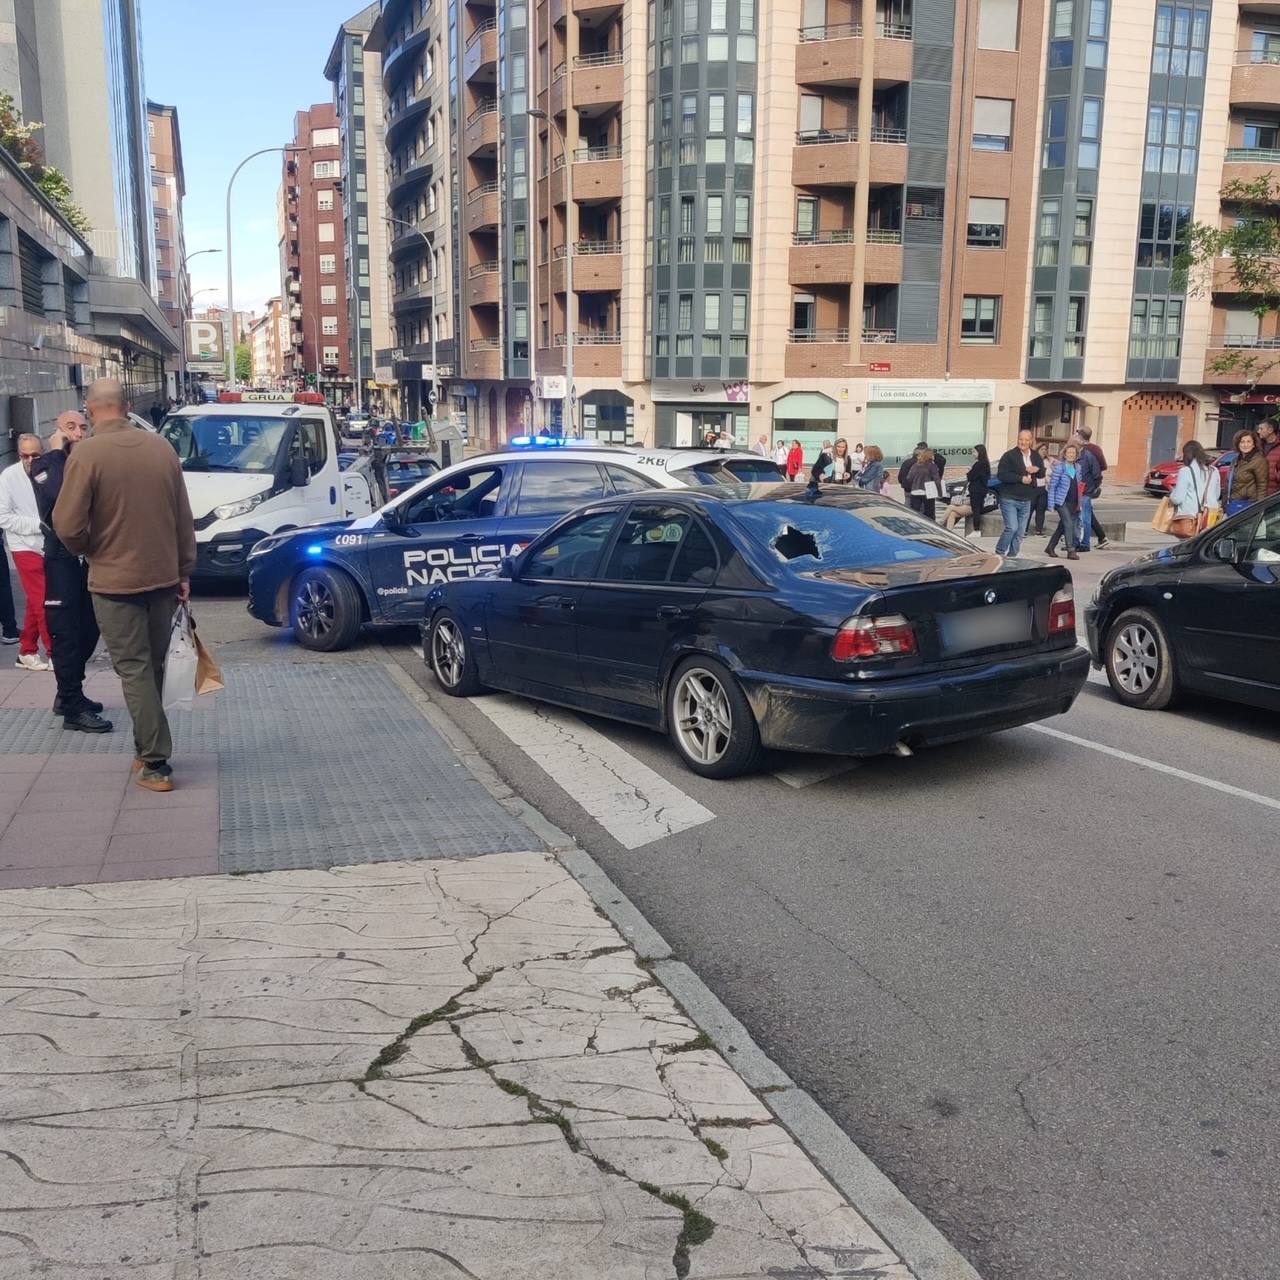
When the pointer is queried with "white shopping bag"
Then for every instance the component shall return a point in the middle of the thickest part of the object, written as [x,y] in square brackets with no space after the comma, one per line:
[180,664]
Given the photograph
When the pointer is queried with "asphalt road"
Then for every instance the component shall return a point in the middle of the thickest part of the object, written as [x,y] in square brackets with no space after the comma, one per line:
[1037,983]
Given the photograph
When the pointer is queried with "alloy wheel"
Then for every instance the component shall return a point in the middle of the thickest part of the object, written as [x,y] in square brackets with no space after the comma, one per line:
[316,609]
[448,656]
[1135,658]
[703,720]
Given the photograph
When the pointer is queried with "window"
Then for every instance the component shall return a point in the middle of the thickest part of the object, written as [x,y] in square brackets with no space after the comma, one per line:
[329,326]
[330,357]
[992,124]
[662,313]
[987,218]
[324,201]
[1182,35]
[998,24]
[689,114]
[1155,329]
[1261,136]
[711,311]
[740,312]
[806,218]
[1090,132]
[1073,342]
[1041,329]
[1162,229]
[715,215]
[325,138]
[324,232]
[746,112]
[648,544]
[742,214]
[328,264]
[685,320]
[1061,45]
[470,496]
[1055,134]
[980,321]
[1082,235]
[328,295]
[1096,47]
[715,113]
[1173,140]
[1261,537]
[313,439]
[624,481]
[696,563]
[552,487]
[686,215]
[574,553]
[325,169]
[31,264]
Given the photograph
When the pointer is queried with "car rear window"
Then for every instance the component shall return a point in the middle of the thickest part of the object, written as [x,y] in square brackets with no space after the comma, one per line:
[729,471]
[846,537]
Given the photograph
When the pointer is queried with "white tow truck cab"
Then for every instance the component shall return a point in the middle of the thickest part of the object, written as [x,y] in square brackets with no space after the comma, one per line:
[258,463]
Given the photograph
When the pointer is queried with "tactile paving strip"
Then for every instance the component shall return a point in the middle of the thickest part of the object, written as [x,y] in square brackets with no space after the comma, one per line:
[319,766]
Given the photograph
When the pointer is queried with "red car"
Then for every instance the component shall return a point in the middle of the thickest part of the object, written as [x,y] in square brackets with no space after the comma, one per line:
[1162,477]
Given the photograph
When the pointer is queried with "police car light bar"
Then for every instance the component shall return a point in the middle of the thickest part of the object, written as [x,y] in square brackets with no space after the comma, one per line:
[539,442]
[270,397]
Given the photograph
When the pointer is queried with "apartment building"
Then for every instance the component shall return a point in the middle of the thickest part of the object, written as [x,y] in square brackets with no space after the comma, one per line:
[356,74]
[265,345]
[313,253]
[168,189]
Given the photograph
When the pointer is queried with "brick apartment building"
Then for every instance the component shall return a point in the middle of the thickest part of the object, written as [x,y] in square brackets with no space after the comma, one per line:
[882,219]
[312,253]
[168,189]
[265,345]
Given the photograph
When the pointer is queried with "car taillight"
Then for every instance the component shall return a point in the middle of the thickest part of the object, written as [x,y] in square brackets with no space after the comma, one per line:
[888,637]
[1062,612]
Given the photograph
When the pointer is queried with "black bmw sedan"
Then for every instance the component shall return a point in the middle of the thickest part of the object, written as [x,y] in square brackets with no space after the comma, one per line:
[765,617]
[1203,616]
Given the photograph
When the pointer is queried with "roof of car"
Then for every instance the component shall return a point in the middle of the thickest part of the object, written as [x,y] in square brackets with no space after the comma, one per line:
[254,409]
[731,495]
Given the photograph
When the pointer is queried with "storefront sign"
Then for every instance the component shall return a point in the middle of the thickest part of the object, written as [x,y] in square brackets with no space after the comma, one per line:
[880,366]
[1253,397]
[551,386]
[932,392]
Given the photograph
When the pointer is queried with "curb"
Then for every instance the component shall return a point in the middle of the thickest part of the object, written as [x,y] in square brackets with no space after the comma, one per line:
[924,1250]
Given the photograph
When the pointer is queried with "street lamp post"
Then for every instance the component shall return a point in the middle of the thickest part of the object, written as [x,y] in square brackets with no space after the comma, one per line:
[431,326]
[232,382]
[182,337]
[569,410]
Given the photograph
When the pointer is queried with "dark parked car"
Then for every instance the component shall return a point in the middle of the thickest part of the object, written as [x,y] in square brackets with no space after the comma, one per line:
[765,616]
[1203,615]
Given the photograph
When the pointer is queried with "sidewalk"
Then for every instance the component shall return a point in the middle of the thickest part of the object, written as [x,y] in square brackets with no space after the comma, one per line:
[429,1069]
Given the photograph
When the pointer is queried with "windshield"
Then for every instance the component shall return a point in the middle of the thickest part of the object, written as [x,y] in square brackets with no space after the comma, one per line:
[223,443]
[872,532]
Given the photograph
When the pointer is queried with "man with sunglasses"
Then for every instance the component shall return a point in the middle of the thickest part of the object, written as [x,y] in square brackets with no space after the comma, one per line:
[73,628]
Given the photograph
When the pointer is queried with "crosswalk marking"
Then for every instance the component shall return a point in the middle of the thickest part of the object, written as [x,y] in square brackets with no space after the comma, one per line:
[635,805]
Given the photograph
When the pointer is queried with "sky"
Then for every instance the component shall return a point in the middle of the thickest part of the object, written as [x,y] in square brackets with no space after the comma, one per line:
[237,71]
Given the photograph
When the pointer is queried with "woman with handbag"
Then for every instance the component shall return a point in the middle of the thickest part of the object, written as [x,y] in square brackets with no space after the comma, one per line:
[1063,490]
[1196,492]
[1248,480]
[924,484]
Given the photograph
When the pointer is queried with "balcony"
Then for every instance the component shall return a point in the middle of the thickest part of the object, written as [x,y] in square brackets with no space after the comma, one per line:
[884,258]
[822,257]
[821,352]
[558,98]
[480,58]
[397,126]
[597,266]
[1254,360]
[415,298]
[879,337]
[596,354]
[592,11]
[1269,8]
[484,284]
[484,359]
[597,81]
[832,55]
[1255,80]
[484,206]
[1248,164]
[410,176]
[597,174]
[410,239]
[481,134]
[401,60]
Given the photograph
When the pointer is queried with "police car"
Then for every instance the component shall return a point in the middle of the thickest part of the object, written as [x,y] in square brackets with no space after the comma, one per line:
[326,582]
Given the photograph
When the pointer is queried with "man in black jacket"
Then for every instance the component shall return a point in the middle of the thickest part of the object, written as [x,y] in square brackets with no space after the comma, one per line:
[73,629]
[1018,471]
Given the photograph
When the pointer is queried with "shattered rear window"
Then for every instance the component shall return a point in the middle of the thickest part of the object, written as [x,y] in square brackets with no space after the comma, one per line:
[875,533]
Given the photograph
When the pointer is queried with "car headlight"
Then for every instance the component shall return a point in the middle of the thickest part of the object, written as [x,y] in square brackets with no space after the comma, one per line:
[242,506]
[265,545]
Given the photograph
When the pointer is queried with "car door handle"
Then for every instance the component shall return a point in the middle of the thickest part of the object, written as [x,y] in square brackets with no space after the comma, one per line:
[672,611]
[469,537]
[557,602]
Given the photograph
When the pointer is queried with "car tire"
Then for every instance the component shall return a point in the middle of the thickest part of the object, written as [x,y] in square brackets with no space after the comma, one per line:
[710,721]
[1139,661]
[325,611]
[450,657]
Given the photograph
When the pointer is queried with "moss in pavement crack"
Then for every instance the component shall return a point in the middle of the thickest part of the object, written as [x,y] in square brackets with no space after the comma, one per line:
[697,1228]
[700,1041]
[396,1050]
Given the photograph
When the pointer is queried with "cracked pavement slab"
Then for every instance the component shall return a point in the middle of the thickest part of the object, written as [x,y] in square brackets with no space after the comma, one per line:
[414,1069]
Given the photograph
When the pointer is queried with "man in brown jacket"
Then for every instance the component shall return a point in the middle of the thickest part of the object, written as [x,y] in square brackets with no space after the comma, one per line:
[123,506]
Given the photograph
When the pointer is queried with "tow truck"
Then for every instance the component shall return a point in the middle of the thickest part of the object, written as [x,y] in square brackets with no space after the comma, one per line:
[258,463]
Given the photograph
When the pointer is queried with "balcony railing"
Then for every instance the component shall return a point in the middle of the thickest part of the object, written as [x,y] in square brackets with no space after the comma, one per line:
[852,30]
[584,155]
[486,344]
[877,336]
[1238,341]
[561,70]
[592,338]
[607,58]
[841,235]
[484,189]
[1257,57]
[490,24]
[884,235]
[1252,155]
[585,248]
[888,133]
[487,107]
[818,335]
[483,269]
[819,137]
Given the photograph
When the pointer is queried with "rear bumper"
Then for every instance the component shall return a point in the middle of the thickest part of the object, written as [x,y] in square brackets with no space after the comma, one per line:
[867,720]
[1092,631]
[227,555]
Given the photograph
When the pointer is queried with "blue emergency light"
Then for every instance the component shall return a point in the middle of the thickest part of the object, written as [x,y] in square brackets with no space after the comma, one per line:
[538,442]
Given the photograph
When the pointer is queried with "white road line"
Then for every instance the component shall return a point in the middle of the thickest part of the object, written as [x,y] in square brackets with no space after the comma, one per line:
[1156,766]
[1099,677]
[804,773]
[632,803]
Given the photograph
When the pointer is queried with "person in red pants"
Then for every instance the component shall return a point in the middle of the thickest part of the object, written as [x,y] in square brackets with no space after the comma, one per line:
[20,520]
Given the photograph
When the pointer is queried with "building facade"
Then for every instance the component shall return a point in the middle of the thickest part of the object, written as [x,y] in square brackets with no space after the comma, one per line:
[356,74]
[265,345]
[890,220]
[76,66]
[168,189]
[313,253]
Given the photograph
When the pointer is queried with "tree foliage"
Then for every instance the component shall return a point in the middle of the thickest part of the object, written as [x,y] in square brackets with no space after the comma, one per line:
[17,137]
[1242,257]
[244,363]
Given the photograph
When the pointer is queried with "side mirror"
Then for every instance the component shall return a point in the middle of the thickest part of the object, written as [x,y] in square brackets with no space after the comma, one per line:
[299,474]
[1227,549]
[507,567]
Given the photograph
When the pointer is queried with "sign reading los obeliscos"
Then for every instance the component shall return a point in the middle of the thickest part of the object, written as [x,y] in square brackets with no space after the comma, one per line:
[206,349]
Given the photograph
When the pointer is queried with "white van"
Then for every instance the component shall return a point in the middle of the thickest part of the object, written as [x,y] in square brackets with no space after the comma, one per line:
[258,463]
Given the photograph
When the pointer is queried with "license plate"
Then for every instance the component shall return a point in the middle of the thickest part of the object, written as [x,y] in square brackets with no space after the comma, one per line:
[972,629]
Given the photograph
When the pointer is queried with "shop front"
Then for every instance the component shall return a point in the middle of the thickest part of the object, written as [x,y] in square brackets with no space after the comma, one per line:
[949,416]
[691,413]
[1242,409]
[608,416]
[809,417]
